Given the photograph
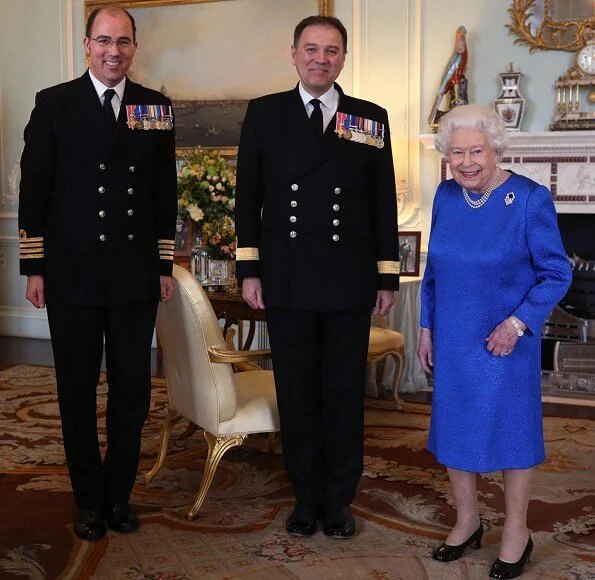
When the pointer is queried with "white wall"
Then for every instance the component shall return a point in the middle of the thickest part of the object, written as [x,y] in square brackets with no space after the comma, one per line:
[397,53]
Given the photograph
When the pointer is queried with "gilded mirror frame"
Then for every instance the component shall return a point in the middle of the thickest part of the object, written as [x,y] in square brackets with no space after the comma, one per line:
[550,34]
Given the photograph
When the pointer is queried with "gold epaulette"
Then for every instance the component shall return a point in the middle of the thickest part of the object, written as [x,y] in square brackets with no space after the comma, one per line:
[166,249]
[246,254]
[388,267]
[30,248]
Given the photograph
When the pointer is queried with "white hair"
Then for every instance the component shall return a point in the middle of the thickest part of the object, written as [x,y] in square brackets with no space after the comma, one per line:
[476,117]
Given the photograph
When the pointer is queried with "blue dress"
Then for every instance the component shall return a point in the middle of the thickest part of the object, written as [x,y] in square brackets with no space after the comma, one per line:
[483,266]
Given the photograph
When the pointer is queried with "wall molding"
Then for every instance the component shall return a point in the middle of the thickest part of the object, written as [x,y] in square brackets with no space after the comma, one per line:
[67,34]
[410,212]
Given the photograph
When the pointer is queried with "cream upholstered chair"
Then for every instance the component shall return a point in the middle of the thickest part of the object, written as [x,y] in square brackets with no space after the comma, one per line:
[385,342]
[201,384]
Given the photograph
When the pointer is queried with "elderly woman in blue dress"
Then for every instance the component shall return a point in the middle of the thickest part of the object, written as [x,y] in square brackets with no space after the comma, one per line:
[496,267]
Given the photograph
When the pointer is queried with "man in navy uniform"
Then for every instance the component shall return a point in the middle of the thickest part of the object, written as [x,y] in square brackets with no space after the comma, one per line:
[317,246]
[97,220]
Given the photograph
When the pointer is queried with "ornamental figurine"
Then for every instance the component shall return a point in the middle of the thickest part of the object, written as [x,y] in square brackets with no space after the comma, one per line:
[453,86]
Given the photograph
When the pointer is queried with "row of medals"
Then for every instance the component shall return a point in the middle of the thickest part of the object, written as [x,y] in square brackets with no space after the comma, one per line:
[148,117]
[357,136]
[148,123]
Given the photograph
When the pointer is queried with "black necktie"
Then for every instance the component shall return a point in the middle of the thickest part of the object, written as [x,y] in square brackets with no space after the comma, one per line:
[108,109]
[316,118]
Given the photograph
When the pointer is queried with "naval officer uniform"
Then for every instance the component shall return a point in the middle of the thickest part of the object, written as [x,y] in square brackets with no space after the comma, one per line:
[316,222]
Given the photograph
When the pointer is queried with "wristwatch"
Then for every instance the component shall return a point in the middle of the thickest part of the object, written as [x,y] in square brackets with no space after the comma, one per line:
[517,326]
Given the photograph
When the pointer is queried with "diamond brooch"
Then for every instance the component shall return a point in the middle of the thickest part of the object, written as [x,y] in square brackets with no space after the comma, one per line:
[509,198]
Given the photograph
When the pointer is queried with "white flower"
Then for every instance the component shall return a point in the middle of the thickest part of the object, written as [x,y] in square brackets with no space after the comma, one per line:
[195,212]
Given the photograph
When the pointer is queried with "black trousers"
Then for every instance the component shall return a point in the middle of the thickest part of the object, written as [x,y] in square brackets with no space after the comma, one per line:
[319,361]
[78,334]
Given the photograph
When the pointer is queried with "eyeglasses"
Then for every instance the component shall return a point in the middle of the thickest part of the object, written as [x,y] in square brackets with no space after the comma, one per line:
[105,41]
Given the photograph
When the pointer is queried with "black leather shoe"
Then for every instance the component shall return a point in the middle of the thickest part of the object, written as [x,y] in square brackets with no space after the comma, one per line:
[505,570]
[447,553]
[122,519]
[338,522]
[301,521]
[89,525]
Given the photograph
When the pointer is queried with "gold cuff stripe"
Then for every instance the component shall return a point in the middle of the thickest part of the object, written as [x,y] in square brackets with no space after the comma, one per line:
[166,257]
[31,256]
[245,254]
[388,267]
[166,242]
[31,251]
[28,247]
[30,240]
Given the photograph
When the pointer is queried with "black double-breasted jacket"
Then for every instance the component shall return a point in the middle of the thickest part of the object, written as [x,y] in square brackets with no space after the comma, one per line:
[97,208]
[316,219]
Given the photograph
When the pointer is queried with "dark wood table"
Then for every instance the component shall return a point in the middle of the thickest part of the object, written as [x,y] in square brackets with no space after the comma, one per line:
[231,307]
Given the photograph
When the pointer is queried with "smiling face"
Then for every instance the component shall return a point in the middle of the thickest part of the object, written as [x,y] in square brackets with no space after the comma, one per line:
[318,57]
[109,64]
[472,160]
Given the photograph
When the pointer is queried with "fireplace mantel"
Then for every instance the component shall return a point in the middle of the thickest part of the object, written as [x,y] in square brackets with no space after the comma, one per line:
[564,161]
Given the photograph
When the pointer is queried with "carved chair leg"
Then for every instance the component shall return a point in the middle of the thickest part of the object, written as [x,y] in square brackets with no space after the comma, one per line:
[171,419]
[399,358]
[217,448]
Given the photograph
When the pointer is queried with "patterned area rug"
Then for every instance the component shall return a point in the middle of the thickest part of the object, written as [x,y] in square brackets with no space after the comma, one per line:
[403,508]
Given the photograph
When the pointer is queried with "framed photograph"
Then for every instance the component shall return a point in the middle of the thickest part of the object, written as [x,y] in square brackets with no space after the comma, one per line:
[207,58]
[409,253]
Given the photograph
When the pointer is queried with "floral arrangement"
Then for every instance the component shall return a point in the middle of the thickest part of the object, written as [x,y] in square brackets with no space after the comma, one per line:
[206,187]
[219,237]
[206,190]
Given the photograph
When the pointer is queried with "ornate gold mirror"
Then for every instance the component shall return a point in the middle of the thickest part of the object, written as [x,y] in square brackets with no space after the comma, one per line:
[551,24]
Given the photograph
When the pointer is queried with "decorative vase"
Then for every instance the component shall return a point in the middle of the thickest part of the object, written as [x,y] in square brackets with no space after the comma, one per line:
[510,105]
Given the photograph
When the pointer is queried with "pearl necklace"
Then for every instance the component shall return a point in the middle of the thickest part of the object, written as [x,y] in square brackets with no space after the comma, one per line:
[476,204]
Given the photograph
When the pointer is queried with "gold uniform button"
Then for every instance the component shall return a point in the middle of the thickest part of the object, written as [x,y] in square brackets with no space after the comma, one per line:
[102,213]
[132,169]
[294,187]
[293,219]
[130,212]
[336,238]
[293,203]
[336,222]
[131,237]
[337,190]
[130,190]
[336,207]
[293,234]
[102,166]
[102,237]
[101,189]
